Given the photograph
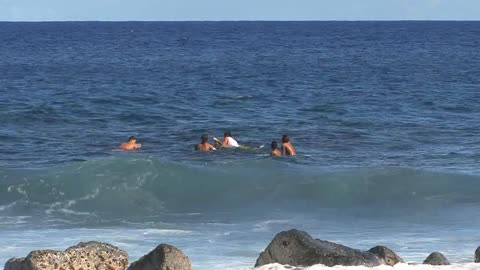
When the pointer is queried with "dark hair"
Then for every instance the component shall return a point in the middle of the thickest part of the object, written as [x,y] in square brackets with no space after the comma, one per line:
[227,134]
[274,145]
[132,138]
[204,138]
[285,138]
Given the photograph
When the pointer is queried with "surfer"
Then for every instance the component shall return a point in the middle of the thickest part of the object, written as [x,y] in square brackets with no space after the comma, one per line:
[205,145]
[287,147]
[131,144]
[228,140]
[275,151]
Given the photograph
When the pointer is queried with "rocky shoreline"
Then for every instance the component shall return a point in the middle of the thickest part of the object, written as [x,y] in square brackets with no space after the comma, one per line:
[293,247]
[100,256]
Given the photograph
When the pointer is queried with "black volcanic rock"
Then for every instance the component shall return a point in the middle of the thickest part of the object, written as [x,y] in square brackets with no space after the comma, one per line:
[298,248]
[436,258]
[163,257]
[387,255]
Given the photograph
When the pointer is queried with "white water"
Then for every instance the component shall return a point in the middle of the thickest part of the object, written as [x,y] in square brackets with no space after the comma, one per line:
[402,266]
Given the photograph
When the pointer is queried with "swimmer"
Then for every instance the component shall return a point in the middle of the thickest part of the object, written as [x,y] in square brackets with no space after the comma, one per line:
[205,145]
[287,147]
[131,144]
[228,140]
[275,151]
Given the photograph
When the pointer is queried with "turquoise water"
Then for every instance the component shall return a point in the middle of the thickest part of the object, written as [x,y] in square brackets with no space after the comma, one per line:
[384,117]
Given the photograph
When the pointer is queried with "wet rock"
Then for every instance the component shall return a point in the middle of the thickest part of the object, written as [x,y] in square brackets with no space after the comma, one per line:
[386,255]
[163,257]
[436,258]
[15,264]
[86,256]
[298,248]
[477,255]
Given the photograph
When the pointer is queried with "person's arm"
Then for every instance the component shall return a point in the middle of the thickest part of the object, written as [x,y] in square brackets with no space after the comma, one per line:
[283,150]
[225,142]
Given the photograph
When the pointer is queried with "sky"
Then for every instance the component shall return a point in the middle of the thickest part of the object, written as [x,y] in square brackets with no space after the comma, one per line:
[217,10]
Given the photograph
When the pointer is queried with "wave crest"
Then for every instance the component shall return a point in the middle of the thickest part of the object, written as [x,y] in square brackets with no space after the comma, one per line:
[139,187]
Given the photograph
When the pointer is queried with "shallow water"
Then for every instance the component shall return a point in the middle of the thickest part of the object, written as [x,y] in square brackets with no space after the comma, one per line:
[384,116]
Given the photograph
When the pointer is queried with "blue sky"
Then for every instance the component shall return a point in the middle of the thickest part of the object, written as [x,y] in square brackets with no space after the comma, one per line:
[161,10]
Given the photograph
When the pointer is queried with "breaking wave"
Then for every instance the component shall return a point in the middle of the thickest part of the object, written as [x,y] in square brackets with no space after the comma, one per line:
[119,187]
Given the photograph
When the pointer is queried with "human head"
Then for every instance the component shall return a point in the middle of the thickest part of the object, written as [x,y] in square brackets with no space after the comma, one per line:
[285,138]
[227,134]
[204,138]
[274,145]
[132,139]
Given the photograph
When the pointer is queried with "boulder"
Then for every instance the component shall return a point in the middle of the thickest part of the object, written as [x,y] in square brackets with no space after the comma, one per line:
[436,258]
[163,257]
[298,248]
[15,264]
[386,255]
[477,255]
[86,256]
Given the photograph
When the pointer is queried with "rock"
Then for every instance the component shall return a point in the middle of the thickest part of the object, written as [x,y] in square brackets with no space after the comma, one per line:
[436,258]
[298,248]
[15,264]
[477,255]
[86,256]
[387,255]
[163,257]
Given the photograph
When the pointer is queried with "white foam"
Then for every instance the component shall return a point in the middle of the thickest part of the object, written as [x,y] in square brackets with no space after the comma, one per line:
[7,206]
[164,232]
[266,225]
[400,266]
[90,196]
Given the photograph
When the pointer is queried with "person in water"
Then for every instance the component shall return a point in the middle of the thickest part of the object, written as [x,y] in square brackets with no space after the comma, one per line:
[228,140]
[287,147]
[131,144]
[205,145]
[275,151]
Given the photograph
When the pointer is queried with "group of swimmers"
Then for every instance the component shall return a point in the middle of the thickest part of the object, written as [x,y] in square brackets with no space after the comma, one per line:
[228,141]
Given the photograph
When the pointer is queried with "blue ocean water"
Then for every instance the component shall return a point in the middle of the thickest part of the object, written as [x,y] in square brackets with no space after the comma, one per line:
[385,117]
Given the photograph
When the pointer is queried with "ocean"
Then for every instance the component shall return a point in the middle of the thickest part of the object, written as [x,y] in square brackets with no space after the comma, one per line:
[385,118]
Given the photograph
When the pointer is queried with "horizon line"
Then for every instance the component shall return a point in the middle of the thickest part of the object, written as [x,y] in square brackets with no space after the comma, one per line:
[120,21]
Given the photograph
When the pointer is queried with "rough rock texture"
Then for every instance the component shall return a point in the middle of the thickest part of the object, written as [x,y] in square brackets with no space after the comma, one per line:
[387,255]
[163,257]
[298,248]
[436,258]
[477,255]
[84,256]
